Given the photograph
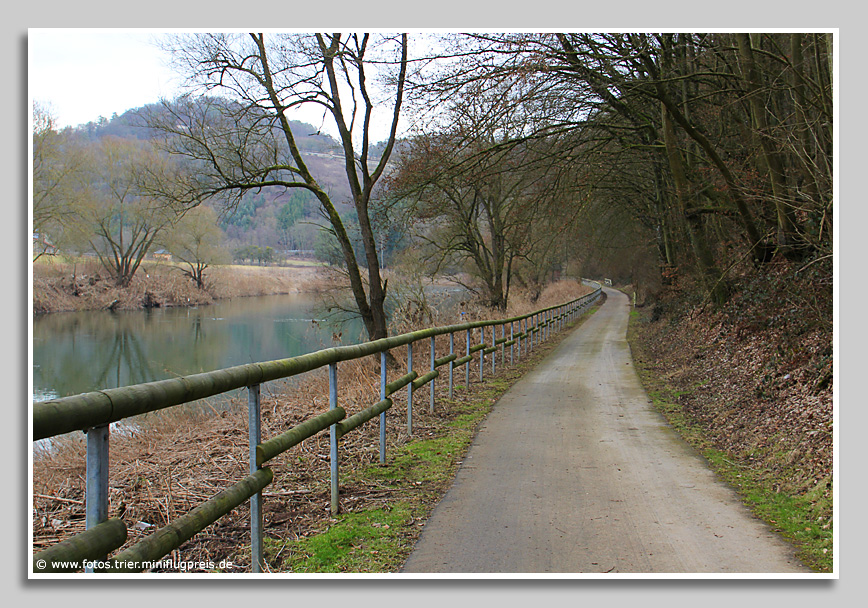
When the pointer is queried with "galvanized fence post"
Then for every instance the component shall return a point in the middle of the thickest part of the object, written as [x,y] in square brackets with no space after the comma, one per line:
[333,437]
[467,365]
[503,344]
[512,339]
[493,350]
[529,335]
[534,336]
[255,434]
[96,483]
[451,363]
[410,389]
[431,383]
[481,353]
[518,338]
[382,414]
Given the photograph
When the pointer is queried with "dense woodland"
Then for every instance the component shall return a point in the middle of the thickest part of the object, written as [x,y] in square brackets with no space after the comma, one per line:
[694,170]
[653,159]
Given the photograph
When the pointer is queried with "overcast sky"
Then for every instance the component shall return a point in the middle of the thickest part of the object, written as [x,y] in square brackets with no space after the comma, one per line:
[82,74]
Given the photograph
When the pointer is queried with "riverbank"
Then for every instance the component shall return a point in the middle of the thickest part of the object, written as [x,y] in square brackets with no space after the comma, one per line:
[63,286]
[174,460]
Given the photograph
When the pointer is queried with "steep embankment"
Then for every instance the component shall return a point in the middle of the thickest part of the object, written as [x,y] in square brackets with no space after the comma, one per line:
[751,383]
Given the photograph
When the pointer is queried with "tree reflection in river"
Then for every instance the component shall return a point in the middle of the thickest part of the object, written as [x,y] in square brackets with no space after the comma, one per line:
[85,351]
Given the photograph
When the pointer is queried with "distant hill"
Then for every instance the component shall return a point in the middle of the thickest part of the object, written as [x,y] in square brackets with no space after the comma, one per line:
[253,222]
[130,125]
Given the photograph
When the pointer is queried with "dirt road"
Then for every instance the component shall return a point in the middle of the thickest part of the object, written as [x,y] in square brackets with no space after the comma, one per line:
[574,472]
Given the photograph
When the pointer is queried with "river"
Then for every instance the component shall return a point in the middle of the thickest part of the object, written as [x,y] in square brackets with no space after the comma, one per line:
[79,352]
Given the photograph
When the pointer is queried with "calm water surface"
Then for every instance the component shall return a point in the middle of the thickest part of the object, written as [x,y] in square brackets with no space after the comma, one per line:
[85,351]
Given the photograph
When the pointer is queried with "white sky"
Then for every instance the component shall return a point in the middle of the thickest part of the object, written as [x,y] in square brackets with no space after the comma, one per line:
[82,74]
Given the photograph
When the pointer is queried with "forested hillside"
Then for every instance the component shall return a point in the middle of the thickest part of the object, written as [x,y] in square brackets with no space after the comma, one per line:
[694,170]
[279,220]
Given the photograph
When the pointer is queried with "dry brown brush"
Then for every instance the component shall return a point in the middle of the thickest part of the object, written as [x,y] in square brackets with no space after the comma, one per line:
[757,373]
[83,284]
[162,465]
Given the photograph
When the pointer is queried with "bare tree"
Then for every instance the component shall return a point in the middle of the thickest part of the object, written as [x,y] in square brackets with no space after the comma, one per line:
[113,215]
[243,140]
[488,197]
[195,241]
[56,164]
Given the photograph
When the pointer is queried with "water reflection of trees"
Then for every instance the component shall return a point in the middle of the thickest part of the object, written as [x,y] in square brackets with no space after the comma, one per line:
[126,362]
[91,351]
[80,352]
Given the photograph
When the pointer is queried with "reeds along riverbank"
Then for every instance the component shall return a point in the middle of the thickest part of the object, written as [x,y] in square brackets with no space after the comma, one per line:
[170,462]
[60,285]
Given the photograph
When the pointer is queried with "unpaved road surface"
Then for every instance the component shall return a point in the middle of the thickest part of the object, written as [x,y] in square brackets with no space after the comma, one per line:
[574,472]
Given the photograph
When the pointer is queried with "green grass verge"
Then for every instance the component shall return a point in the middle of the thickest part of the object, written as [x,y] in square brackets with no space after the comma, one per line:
[365,541]
[417,474]
[805,520]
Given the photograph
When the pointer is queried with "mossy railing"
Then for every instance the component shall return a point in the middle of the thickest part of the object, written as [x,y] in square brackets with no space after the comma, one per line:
[93,413]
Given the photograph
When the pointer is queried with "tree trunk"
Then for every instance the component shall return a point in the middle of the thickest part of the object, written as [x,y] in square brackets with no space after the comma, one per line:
[711,276]
[788,238]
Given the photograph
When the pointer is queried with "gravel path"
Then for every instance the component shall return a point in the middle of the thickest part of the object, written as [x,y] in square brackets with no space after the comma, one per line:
[574,472]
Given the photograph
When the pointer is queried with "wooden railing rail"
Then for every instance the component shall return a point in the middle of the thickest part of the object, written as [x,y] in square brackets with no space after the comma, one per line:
[93,413]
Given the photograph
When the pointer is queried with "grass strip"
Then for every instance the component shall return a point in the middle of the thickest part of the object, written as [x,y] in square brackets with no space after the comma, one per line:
[804,520]
[416,476]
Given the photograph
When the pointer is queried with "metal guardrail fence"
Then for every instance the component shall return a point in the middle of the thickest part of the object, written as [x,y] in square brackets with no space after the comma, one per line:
[93,413]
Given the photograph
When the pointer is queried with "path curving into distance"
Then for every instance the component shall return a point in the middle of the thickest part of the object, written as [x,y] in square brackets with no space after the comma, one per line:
[573,471]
